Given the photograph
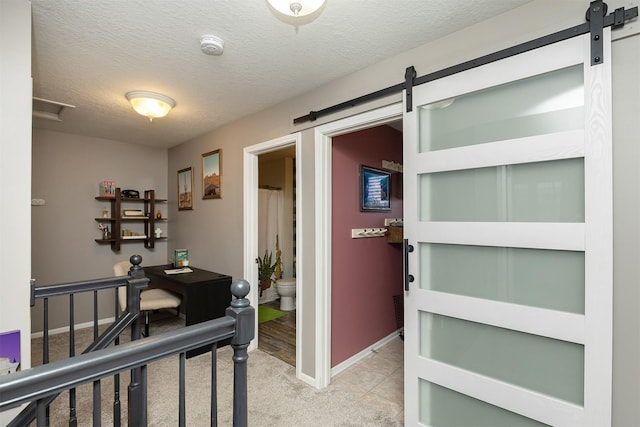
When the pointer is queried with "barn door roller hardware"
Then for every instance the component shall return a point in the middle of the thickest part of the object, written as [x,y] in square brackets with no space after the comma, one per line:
[409,81]
[596,17]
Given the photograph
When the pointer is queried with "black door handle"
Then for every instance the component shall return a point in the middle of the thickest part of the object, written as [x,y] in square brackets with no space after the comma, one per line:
[406,249]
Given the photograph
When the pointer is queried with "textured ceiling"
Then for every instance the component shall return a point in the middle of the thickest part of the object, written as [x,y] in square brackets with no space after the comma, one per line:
[90,53]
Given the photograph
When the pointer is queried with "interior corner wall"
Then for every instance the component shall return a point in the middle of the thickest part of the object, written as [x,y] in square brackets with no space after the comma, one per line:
[366,273]
[66,170]
[626,231]
[15,179]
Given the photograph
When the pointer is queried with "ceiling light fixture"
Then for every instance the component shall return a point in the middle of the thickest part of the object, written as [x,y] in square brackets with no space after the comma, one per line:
[150,104]
[296,8]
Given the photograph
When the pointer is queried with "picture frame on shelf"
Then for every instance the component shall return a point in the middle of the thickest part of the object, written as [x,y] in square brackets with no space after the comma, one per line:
[375,189]
[181,258]
[185,189]
[212,175]
[133,213]
[107,189]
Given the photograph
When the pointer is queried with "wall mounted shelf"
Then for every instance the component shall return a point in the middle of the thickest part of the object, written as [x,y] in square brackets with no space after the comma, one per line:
[116,219]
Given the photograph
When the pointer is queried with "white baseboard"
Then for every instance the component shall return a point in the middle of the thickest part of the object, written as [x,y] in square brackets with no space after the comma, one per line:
[76,327]
[84,325]
[307,379]
[364,353]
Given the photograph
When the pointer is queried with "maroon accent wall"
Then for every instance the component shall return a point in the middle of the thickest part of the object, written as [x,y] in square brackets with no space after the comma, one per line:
[365,273]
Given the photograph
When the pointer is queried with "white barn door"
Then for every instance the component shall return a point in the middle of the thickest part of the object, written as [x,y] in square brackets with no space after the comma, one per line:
[508,205]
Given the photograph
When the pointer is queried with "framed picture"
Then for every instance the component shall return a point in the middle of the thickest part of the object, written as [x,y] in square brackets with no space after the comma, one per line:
[212,175]
[185,189]
[375,189]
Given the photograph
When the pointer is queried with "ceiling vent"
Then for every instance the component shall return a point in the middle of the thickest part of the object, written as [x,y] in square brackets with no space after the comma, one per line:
[47,109]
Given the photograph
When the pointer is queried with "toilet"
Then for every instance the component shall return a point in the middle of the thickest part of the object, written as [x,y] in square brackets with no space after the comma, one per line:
[287,291]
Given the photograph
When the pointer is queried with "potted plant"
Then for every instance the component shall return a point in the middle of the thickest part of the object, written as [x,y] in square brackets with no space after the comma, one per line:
[278,271]
[265,270]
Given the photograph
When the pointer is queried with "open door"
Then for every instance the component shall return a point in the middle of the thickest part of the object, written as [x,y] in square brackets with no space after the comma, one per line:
[508,212]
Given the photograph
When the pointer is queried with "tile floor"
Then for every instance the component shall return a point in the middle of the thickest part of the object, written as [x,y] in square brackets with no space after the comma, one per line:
[379,378]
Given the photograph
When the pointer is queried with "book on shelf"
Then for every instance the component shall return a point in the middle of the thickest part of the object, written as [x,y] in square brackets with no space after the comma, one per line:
[181,258]
[133,213]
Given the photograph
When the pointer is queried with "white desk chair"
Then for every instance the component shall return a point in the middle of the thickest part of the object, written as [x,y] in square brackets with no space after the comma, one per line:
[150,299]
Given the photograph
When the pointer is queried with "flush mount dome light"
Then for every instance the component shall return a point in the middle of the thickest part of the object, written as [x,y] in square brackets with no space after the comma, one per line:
[150,104]
[296,8]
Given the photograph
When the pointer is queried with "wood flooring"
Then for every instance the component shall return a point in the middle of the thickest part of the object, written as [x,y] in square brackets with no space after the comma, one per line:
[278,337]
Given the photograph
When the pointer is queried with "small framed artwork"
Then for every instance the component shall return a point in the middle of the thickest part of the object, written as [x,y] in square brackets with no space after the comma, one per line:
[185,189]
[212,175]
[375,189]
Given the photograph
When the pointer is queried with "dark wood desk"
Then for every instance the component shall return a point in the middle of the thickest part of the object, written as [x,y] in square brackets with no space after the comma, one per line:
[205,294]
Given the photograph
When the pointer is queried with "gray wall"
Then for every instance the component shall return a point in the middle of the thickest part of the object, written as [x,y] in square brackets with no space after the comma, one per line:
[66,172]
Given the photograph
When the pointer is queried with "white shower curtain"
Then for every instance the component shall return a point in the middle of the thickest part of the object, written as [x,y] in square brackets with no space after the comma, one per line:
[270,220]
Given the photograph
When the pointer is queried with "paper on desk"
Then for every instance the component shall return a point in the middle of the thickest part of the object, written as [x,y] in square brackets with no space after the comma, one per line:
[179,270]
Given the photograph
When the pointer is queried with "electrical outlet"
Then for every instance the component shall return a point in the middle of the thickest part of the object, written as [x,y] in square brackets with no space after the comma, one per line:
[37,202]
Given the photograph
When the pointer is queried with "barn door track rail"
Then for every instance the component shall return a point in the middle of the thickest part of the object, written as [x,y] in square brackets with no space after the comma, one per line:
[596,20]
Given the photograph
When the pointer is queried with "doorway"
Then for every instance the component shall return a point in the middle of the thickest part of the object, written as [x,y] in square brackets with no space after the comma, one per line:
[323,244]
[270,150]
[276,249]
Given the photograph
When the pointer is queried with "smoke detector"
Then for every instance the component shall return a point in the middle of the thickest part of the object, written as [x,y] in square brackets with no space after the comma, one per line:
[212,45]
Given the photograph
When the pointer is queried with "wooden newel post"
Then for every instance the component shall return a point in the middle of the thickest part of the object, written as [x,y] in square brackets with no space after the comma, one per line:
[137,283]
[137,390]
[245,315]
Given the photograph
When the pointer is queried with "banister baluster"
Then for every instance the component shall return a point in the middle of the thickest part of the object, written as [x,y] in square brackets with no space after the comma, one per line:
[117,412]
[42,409]
[45,353]
[95,315]
[214,385]
[45,333]
[73,420]
[97,405]
[181,391]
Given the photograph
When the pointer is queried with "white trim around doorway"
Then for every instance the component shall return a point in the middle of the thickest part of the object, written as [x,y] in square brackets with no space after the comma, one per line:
[323,135]
[251,154]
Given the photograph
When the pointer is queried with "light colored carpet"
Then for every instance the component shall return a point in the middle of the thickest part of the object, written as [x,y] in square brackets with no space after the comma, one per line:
[276,396]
